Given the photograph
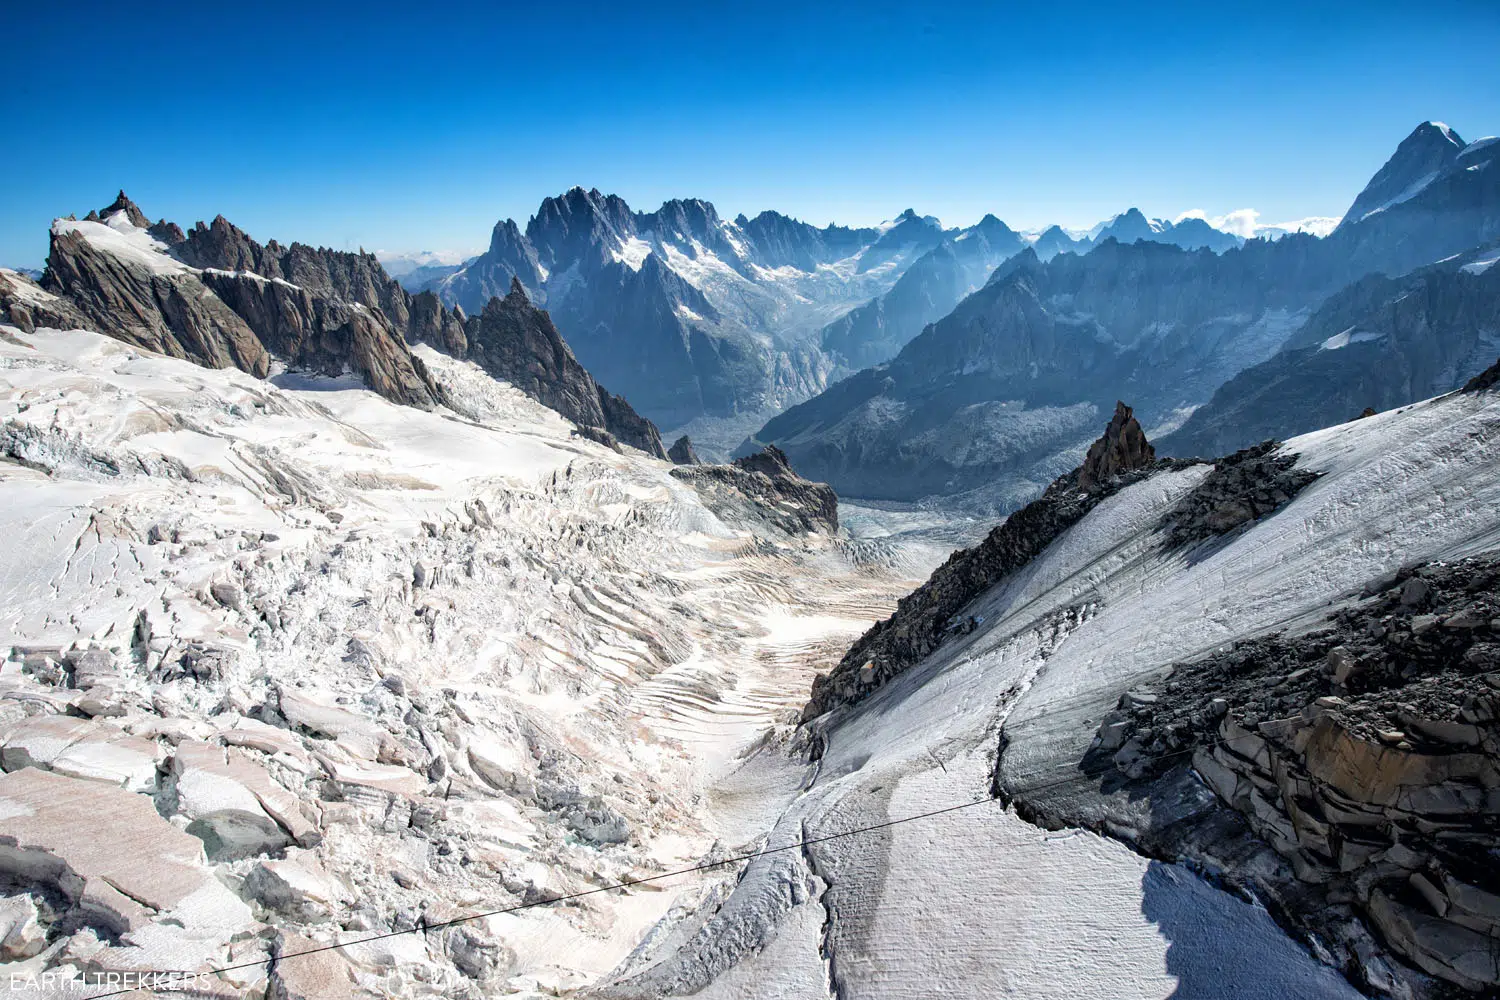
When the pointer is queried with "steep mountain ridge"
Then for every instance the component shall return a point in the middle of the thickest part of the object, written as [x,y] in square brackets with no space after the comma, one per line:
[1379,343]
[217,297]
[1420,158]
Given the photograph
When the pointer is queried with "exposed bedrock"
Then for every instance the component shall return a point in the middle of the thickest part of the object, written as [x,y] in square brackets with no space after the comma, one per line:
[762,489]
[1347,774]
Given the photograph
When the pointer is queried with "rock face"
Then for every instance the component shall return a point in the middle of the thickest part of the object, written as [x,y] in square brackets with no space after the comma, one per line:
[514,341]
[932,613]
[163,308]
[776,495]
[1123,448]
[327,335]
[1365,752]
[25,304]
[682,453]
[354,278]
[222,300]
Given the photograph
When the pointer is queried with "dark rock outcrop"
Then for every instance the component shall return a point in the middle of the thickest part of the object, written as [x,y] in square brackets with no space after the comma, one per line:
[682,453]
[1122,448]
[1486,379]
[1365,752]
[516,342]
[1243,487]
[132,211]
[169,233]
[763,489]
[435,325]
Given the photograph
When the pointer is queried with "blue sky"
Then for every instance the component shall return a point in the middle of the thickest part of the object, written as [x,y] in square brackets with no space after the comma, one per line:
[417,126]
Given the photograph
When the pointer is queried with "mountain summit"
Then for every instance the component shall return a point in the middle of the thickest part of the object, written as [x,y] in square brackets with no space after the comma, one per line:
[1418,161]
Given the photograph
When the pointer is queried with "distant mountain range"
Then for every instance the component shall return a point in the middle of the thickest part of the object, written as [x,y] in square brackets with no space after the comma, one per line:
[897,362]
[714,325]
[424,262]
[1001,394]
[1379,343]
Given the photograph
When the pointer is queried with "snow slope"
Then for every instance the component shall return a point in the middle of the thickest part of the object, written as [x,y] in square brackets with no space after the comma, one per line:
[984,903]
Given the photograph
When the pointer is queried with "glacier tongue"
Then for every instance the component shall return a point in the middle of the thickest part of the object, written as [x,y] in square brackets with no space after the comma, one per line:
[435,662]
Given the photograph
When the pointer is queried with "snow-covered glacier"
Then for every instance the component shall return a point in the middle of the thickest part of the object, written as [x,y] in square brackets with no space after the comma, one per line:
[291,665]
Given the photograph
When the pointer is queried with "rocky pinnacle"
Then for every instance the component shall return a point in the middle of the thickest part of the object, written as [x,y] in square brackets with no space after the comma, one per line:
[1122,448]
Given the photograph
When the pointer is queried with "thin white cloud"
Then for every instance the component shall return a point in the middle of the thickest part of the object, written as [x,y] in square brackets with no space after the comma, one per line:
[1240,222]
[1245,222]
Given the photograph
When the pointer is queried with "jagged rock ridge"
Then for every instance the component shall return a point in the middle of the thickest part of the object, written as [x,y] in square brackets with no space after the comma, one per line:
[1122,448]
[518,343]
[216,296]
[682,453]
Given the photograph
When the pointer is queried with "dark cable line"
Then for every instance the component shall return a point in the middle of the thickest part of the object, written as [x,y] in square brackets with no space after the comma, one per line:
[423,926]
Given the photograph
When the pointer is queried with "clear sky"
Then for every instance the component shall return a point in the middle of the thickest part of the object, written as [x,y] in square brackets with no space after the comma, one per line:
[418,125]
